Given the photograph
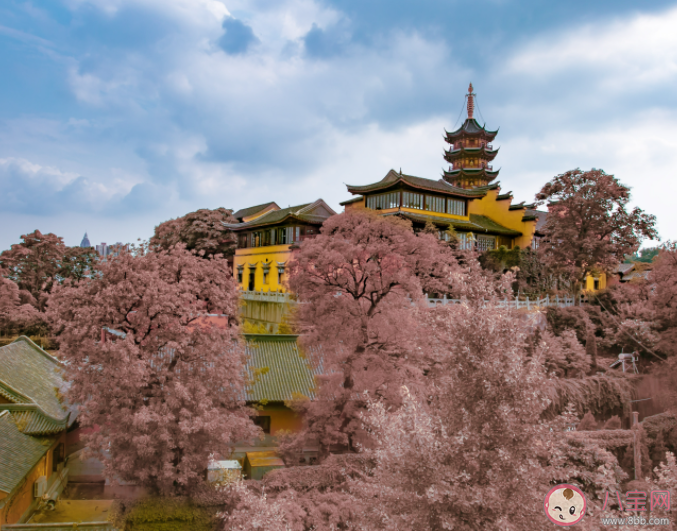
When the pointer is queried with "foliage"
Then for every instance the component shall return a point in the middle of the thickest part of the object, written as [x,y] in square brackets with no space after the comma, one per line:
[581,458]
[254,328]
[588,423]
[598,394]
[591,349]
[40,261]
[34,263]
[356,282]
[570,318]
[164,389]
[164,514]
[289,510]
[659,449]
[201,230]
[288,324]
[564,355]
[78,262]
[645,255]
[666,475]
[532,276]
[663,301]
[17,318]
[614,423]
[588,226]
[462,453]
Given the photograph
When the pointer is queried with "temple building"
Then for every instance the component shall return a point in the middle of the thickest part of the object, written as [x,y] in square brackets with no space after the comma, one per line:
[466,199]
[266,238]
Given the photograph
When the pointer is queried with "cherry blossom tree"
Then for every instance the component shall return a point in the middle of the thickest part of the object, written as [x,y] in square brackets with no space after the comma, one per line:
[161,386]
[589,226]
[463,454]
[40,261]
[201,230]
[15,317]
[357,281]
[34,263]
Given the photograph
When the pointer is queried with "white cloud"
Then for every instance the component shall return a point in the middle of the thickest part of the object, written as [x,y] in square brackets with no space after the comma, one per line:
[632,52]
[193,11]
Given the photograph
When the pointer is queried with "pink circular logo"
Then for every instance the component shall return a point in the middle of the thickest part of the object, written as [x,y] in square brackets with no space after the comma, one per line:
[565,505]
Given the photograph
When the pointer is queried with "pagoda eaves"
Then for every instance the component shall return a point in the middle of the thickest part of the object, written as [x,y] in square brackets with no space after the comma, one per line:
[454,155]
[470,128]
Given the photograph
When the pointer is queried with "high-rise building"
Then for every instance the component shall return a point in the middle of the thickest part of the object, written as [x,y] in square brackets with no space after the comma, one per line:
[102,249]
[85,241]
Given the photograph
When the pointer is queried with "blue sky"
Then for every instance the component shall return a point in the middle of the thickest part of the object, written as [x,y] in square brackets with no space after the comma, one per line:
[116,115]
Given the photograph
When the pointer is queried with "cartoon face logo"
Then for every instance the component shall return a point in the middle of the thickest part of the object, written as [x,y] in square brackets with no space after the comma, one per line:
[565,505]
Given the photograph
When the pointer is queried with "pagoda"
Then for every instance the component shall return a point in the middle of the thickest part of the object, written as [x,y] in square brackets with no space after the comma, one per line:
[470,152]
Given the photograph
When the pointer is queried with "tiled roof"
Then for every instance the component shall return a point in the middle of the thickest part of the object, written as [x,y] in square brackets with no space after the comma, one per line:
[477,223]
[538,215]
[636,274]
[353,200]
[421,183]
[471,173]
[19,452]
[490,226]
[250,211]
[624,268]
[30,379]
[32,372]
[458,224]
[300,212]
[471,127]
[288,372]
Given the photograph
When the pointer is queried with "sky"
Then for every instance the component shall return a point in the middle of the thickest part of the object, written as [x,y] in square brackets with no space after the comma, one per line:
[116,115]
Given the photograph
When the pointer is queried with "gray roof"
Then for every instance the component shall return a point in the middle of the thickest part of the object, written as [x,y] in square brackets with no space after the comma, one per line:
[393,178]
[19,452]
[30,379]
[278,368]
[539,215]
[299,212]
[624,268]
[477,223]
[250,211]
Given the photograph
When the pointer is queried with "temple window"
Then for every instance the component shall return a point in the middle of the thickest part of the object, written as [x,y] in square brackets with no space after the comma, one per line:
[412,200]
[240,271]
[434,204]
[456,207]
[466,240]
[485,243]
[384,201]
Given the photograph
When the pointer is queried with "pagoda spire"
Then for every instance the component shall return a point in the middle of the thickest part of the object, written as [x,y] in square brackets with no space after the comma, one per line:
[470,152]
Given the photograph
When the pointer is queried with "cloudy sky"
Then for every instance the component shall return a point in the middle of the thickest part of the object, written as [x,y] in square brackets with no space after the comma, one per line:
[116,115]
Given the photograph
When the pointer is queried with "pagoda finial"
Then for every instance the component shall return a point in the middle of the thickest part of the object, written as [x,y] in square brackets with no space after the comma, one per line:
[471,102]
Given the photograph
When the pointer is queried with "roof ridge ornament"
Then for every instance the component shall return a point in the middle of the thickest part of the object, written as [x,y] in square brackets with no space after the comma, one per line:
[471,102]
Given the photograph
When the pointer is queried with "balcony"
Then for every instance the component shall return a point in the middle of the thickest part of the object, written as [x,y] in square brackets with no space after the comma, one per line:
[268,296]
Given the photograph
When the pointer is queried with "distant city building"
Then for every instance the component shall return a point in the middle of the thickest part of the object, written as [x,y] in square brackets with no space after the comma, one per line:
[106,250]
[85,241]
[102,250]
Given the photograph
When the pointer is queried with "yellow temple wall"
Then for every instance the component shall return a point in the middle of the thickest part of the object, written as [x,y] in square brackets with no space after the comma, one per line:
[22,499]
[500,212]
[258,255]
[590,282]
[282,418]
[358,205]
